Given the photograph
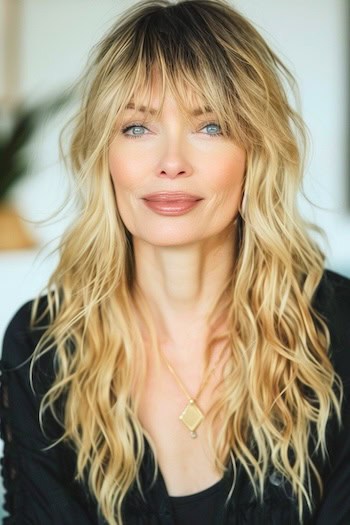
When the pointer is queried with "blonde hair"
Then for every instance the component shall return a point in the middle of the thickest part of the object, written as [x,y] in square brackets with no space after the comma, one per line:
[278,380]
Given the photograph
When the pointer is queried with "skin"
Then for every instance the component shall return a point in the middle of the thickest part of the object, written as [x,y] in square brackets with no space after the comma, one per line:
[181,261]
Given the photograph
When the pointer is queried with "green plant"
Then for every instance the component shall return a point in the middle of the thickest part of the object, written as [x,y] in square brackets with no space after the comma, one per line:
[14,160]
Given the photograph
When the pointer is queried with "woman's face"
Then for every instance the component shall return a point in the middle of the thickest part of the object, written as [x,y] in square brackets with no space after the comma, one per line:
[171,155]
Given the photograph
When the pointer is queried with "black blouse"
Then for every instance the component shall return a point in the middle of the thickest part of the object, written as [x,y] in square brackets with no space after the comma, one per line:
[200,507]
[40,488]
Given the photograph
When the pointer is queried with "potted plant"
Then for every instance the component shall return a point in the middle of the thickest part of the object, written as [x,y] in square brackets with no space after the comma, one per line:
[14,163]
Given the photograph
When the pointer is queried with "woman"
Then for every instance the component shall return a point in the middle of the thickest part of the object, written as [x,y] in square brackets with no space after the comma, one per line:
[189,361]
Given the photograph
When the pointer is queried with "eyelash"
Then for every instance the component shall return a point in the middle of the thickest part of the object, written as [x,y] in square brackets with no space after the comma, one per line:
[136,125]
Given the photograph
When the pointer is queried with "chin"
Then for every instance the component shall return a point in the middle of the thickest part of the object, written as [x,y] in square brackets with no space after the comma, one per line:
[170,240]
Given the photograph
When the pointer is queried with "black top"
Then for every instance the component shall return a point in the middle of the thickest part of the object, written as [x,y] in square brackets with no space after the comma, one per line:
[199,507]
[40,485]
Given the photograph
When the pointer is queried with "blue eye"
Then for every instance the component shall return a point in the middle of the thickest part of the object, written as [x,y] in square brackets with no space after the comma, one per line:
[133,127]
[213,125]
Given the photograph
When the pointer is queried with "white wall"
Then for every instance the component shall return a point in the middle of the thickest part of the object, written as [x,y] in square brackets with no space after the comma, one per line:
[311,37]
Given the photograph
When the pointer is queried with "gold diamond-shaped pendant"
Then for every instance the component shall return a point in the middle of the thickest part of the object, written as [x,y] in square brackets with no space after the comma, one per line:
[191,416]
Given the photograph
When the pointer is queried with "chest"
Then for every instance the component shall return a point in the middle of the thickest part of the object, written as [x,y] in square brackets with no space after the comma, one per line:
[186,463]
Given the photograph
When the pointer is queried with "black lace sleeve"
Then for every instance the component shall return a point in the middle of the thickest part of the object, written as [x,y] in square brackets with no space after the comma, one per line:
[335,506]
[9,467]
[39,484]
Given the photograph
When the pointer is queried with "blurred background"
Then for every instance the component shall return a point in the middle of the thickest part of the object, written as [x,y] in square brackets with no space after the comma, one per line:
[44,46]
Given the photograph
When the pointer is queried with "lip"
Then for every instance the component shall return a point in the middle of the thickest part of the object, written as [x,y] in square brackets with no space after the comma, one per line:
[166,196]
[172,208]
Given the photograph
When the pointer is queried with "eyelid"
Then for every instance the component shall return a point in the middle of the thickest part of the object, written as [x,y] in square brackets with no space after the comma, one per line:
[127,127]
[145,124]
[210,122]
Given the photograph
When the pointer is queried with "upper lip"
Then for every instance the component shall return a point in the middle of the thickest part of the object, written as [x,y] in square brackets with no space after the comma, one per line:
[171,196]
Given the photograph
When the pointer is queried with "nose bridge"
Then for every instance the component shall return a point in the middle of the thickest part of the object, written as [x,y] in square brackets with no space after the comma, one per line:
[175,150]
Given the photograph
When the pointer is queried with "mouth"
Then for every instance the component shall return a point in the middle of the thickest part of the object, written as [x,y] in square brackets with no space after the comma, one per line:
[171,197]
[171,207]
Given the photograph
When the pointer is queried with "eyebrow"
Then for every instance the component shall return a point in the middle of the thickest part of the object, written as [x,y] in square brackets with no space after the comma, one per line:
[195,113]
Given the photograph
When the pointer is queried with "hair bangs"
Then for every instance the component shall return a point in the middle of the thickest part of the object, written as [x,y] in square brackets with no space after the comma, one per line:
[195,87]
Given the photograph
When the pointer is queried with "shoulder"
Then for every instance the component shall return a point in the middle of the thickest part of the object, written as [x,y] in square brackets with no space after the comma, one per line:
[332,300]
[20,339]
[334,290]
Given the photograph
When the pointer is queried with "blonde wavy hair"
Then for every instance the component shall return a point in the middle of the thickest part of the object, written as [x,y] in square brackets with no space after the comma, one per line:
[278,380]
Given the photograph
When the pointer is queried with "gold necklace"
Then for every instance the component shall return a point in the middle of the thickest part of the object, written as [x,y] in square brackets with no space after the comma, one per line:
[192,415]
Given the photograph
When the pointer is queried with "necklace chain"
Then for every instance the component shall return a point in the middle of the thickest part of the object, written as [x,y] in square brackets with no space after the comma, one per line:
[192,416]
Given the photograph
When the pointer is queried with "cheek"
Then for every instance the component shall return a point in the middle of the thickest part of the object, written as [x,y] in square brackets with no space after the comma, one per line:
[120,169]
[232,168]
[123,171]
[113,162]
[128,169]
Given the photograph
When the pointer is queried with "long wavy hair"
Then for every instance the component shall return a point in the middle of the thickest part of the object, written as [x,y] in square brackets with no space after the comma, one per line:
[277,380]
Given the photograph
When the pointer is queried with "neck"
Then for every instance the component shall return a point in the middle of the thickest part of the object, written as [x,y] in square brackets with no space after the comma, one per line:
[181,285]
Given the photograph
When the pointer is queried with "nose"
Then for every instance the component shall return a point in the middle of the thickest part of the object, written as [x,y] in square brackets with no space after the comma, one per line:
[174,160]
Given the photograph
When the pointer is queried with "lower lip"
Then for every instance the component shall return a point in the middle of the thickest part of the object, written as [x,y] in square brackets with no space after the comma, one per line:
[171,207]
